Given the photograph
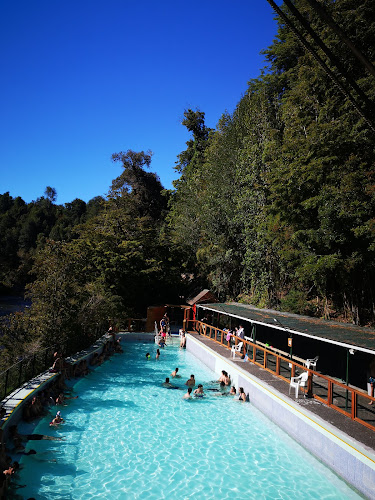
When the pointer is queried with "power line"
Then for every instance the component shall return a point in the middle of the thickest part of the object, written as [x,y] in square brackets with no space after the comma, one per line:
[342,35]
[323,65]
[328,52]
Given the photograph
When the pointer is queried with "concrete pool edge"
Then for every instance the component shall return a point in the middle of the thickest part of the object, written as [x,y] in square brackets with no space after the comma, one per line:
[352,461]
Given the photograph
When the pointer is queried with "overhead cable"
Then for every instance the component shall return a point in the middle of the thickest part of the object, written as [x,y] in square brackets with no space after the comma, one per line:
[323,65]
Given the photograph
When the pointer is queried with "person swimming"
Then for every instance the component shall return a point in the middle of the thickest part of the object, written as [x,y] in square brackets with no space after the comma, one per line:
[148,356]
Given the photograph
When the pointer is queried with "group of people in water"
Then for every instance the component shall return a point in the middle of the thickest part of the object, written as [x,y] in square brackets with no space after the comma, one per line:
[55,395]
[224,387]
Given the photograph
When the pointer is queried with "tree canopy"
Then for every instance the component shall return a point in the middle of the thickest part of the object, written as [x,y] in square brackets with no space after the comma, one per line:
[274,207]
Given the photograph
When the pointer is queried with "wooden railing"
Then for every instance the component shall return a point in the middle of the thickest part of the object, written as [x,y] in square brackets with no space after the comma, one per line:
[347,400]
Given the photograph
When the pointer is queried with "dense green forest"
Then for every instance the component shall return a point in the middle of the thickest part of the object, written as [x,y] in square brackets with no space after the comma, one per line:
[273,207]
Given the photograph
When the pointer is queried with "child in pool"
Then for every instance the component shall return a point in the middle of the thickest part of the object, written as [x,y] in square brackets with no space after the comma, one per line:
[57,420]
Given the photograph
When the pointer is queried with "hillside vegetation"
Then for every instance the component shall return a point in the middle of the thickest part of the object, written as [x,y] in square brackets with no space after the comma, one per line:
[274,207]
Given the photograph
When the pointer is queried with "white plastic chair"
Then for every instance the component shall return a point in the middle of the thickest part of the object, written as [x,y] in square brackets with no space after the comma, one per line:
[298,382]
[236,348]
[311,363]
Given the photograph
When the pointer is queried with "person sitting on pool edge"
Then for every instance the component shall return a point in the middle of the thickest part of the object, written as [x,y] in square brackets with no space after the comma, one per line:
[191,381]
[187,395]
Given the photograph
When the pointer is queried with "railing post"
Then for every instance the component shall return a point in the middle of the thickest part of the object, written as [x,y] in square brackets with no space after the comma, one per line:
[264,358]
[310,385]
[354,405]
[329,395]
[277,365]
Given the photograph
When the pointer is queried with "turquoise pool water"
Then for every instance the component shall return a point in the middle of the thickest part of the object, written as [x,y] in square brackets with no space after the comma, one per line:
[127,437]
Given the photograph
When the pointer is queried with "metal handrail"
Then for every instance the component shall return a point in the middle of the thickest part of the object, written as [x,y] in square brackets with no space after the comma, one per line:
[206,330]
[24,370]
[23,359]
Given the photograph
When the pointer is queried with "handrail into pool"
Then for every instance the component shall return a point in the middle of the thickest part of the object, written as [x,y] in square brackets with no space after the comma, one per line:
[327,390]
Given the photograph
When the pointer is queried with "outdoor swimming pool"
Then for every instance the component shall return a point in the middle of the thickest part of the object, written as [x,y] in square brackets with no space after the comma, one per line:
[127,437]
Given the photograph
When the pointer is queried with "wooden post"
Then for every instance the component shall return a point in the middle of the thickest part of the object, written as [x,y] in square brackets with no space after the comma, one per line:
[354,405]
[310,385]
[277,365]
[329,396]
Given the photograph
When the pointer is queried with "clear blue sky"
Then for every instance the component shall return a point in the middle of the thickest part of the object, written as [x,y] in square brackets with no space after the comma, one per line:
[84,79]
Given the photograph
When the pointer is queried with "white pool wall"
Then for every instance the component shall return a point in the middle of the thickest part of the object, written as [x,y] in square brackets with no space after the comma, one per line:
[351,460]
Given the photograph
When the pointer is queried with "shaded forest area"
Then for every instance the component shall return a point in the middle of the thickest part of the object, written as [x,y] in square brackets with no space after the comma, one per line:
[274,207]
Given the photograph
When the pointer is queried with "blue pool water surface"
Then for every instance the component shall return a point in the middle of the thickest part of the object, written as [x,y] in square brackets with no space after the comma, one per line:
[127,437]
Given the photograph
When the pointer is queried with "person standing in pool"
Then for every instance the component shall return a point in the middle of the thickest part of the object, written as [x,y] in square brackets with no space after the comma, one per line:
[191,381]
[175,373]
[183,341]
[224,377]
[242,396]
[167,384]
[198,393]
[187,395]
[157,354]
